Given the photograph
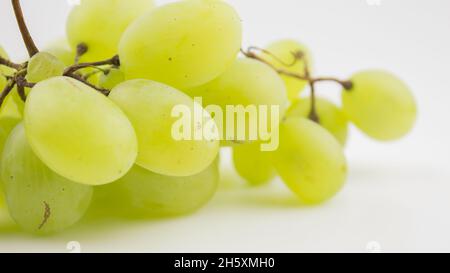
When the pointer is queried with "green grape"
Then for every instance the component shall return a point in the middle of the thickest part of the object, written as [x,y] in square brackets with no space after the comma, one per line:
[284,51]
[78,132]
[6,126]
[246,83]
[380,104]
[330,116]
[100,23]
[142,193]
[61,49]
[11,105]
[252,164]
[182,44]
[39,200]
[43,66]
[310,160]
[110,79]
[4,70]
[149,107]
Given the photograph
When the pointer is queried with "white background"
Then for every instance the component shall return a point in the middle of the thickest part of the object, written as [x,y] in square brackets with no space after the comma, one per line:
[398,194]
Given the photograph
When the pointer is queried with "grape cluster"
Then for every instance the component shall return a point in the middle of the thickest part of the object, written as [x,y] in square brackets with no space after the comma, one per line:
[87,123]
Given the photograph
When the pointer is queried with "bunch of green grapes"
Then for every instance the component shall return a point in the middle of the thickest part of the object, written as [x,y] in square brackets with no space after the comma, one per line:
[132,108]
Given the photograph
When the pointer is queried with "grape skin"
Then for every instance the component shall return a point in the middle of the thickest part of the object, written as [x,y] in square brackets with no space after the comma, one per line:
[33,190]
[283,50]
[252,164]
[149,105]
[186,43]
[100,24]
[247,82]
[330,116]
[380,104]
[78,132]
[310,160]
[43,66]
[143,194]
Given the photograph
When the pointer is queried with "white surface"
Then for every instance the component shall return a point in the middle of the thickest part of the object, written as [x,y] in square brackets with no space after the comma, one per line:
[398,194]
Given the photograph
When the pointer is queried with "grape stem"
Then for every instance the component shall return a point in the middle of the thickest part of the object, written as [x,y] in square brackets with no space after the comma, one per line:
[115,61]
[8,63]
[347,85]
[28,40]
[81,79]
[82,48]
[306,76]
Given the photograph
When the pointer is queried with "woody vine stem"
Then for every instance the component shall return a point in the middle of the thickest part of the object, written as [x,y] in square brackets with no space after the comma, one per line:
[18,79]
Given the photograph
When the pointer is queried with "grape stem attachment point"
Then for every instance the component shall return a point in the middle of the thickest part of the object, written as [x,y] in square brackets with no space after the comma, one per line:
[82,48]
[8,88]
[28,40]
[8,63]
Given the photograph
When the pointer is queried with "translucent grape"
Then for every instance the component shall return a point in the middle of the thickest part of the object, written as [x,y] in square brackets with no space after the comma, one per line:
[44,66]
[183,44]
[330,116]
[247,83]
[284,51]
[111,79]
[310,160]
[100,24]
[39,200]
[380,104]
[149,107]
[252,164]
[78,132]
[142,193]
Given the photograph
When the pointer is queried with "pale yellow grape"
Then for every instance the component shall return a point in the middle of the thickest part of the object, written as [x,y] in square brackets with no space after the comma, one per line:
[100,24]
[43,66]
[380,104]
[111,78]
[183,44]
[252,164]
[61,49]
[39,200]
[283,51]
[330,116]
[247,83]
[78,132]
[142,193]
[310,160]
[149,107]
